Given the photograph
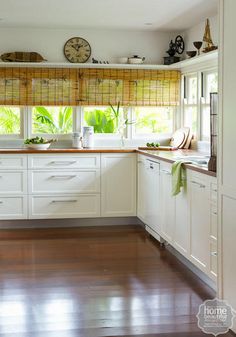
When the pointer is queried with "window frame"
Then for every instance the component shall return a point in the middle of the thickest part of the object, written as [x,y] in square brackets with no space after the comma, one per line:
[201,75]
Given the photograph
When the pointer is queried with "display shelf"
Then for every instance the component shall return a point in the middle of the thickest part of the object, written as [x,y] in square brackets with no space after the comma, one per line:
[203,58]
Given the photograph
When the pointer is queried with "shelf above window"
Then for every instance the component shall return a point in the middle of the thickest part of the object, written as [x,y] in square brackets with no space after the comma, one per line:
[203,59]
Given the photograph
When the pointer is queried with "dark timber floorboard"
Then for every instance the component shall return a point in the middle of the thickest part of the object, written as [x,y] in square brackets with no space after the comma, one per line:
[92,282]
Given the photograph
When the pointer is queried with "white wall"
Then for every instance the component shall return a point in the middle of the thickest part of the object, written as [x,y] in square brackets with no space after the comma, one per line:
[107,45]
[196,33]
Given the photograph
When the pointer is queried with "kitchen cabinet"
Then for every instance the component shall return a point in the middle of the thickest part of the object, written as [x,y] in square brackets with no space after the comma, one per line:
[199,220]
[167,203]
[64,186]
[181,240]
[118,184]
[148,195]
[142,191]
[226,156]
[152,195]
[13,187]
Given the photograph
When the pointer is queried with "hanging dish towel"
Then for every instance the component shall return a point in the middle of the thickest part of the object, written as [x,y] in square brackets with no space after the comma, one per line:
[177,177]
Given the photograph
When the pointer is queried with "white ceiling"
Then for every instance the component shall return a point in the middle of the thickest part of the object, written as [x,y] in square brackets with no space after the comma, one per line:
[165,15]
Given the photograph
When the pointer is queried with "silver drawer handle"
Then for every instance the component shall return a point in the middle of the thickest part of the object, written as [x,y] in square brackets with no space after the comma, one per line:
[63,176]
[63,162]
[215,213]
[166,172]
[196,183]
[214,190]
[58,201]
[213,253]
[1,202]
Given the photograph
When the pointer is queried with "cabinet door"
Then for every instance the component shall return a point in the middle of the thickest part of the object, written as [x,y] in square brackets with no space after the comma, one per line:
[152,195]
[141,195]
[167,203]
[118,184]
[182,228]
[199,221]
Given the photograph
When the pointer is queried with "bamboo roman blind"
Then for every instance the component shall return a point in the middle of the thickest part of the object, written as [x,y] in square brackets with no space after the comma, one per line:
[88,86]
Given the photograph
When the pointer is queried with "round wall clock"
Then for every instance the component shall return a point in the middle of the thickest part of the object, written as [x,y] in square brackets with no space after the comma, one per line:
[77,50]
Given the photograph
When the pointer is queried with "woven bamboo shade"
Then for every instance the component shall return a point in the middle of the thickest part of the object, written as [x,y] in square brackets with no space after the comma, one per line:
[72,87]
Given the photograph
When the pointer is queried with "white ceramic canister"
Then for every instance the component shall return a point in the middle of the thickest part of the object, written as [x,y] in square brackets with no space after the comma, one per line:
[88,136]
[77,140]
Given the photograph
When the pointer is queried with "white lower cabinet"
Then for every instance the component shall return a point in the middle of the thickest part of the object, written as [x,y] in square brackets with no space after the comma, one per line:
[167,203]
[188,221]
[13,187]
[13,207]
[181,240]
[64,186]
[73,206]
[199,221]
[118,184]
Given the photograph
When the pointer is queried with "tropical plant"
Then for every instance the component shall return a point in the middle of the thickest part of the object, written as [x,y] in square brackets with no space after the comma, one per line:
[102,121]
[9,120]
[52,120]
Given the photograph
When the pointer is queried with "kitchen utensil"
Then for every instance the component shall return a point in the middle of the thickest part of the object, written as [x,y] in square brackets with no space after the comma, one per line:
[191,53]
[88,136]
[38,146]
[136,59]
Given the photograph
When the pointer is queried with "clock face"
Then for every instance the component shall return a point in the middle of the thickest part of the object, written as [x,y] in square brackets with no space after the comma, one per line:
[77,50]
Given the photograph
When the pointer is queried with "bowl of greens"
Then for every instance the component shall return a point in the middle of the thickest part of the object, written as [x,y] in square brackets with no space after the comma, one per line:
[38,143]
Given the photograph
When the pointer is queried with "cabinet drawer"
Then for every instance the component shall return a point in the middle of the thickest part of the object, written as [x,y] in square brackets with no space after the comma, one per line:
[75,181]
[12,162]
[82,206]
[13,208]
[13,182]
[64,161]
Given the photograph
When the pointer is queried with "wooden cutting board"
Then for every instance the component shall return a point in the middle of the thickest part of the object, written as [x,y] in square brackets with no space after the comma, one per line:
[159,148]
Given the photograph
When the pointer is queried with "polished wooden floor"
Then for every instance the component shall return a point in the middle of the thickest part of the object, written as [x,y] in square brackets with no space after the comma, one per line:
[92,282]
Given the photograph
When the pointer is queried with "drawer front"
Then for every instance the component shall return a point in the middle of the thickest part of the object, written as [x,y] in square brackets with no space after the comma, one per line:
[13,182]
[13,208]
[82,206]
[11,162]
[64,161]
[75,181]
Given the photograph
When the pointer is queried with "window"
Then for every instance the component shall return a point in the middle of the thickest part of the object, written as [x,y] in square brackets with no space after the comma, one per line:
[52,120]
[196,102]
[190,102]
[10,120]
[150,120]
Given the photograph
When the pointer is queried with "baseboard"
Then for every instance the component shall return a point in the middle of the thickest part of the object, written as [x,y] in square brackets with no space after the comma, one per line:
[192,267]
[50,223]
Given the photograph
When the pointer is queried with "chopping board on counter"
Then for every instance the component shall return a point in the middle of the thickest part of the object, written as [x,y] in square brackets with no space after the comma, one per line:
[180,137]
[159,148]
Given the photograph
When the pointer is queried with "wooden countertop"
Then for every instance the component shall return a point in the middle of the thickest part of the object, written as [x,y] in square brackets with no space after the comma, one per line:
[171,157]
[168,156]
[67,150]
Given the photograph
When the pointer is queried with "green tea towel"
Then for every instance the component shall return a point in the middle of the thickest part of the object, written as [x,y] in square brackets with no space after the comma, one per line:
[177,177]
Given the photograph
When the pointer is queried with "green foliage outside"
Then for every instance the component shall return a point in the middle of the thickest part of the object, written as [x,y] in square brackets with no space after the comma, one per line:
[154,120]
[9,120]
[52,120]
[103,120]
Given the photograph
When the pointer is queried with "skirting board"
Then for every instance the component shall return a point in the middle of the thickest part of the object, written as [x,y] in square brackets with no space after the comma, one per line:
[50,223]
[193,268]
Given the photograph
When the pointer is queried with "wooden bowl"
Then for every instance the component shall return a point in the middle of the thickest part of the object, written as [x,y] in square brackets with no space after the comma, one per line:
[191,53]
